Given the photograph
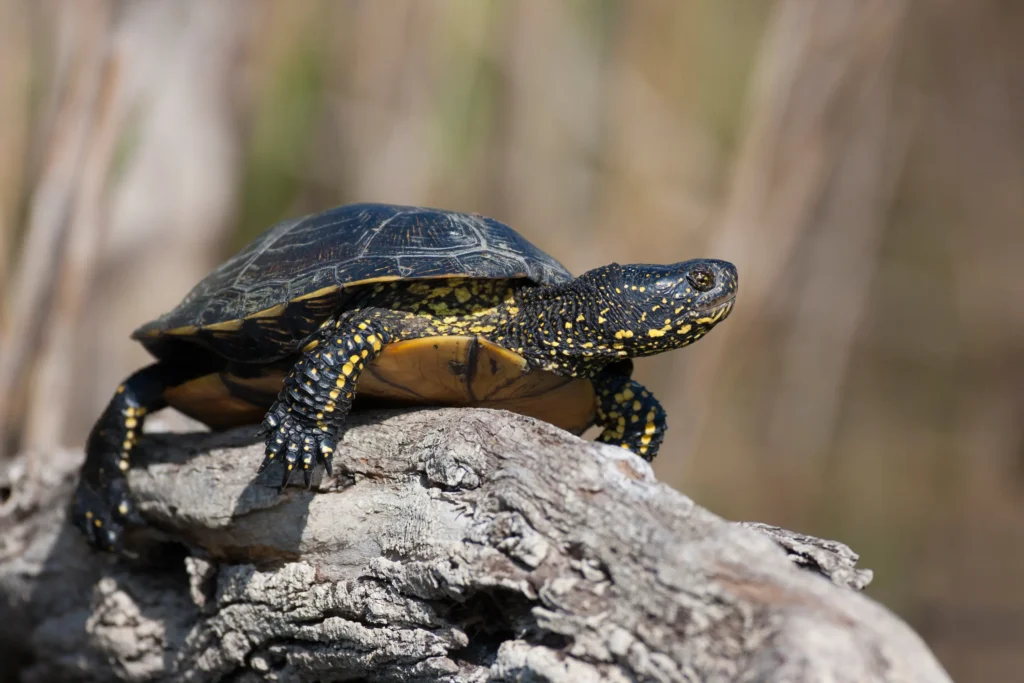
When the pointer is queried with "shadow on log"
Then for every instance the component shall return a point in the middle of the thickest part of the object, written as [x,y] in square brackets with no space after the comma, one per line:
[451,545]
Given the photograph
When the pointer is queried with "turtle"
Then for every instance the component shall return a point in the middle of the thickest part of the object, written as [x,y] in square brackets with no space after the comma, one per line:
[386,305]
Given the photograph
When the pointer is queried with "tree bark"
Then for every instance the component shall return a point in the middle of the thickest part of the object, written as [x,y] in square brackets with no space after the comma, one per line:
[451,545]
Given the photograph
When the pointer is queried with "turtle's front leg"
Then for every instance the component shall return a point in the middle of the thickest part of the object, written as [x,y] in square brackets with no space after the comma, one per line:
[304,422]
[629,414]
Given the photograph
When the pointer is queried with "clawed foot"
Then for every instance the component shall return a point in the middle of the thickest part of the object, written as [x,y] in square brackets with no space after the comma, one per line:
[290,438]
[103,512]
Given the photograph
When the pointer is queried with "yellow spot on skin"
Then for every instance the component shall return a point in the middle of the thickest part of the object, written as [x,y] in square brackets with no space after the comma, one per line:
[131,423]
[684,329]
[127,445]
[347,369]
[334,394]
[624,334]
[650,428]
[358,338]
[645,439]
[97,522]
[568,326]
[123,465]
[120,389]
[655,333]
[580,318]
[354,359]
[637,405]
[627,394]
[123,508]
[340,383]
[362,326]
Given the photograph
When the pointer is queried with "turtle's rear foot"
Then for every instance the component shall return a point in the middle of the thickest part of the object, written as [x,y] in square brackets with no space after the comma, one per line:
[102,510]
[103,505]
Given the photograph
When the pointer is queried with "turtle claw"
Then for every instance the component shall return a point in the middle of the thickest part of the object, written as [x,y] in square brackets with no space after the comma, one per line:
[298,444]
[272,421]
[291,457]
[103,513]
[327,447]
[275,444]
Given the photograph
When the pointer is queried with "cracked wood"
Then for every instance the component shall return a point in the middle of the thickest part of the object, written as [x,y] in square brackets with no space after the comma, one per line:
[453,545]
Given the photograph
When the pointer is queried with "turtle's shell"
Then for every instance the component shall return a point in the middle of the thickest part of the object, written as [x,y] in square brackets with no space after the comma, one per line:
[259,306]
[318,256]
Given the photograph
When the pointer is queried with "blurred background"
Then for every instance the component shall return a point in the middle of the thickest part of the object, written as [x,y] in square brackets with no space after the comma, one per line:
[862,163]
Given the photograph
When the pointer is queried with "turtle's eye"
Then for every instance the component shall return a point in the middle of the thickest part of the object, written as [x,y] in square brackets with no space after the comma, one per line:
[701,279]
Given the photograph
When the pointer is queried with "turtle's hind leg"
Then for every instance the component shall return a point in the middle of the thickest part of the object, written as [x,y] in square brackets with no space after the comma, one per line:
[304,422]
[103,505]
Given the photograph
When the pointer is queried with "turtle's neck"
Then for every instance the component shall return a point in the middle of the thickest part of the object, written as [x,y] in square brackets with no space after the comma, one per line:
[565,328]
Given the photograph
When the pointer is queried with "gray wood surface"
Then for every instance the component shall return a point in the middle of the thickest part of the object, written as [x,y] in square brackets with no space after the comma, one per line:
[451,545]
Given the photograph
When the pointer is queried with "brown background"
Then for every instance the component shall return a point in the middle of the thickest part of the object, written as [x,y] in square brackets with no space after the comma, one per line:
[860,162]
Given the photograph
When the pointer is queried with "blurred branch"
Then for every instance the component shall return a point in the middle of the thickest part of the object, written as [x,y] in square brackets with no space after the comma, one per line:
[52,202]
[51,396]
[14,124]
[816,165]
[845,232]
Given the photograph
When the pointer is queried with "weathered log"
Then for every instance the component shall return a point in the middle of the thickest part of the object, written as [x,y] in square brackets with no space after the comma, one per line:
[451,545]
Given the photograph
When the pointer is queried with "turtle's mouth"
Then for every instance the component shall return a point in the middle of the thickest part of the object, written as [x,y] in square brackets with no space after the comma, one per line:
[714,312]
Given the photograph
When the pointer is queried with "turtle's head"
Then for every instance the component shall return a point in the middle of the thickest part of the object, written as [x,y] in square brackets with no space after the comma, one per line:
[615,312]
[653,308]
